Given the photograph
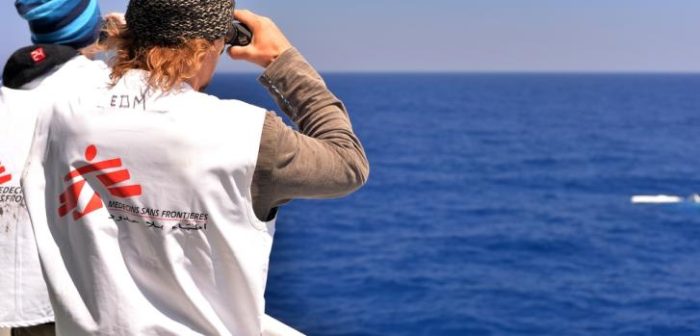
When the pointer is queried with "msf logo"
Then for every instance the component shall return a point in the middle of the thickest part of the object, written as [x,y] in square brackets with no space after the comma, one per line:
[38,55]
[4,178]
[109,173]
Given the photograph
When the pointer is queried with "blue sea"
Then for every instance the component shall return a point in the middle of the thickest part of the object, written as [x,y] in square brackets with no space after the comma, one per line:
[500,205]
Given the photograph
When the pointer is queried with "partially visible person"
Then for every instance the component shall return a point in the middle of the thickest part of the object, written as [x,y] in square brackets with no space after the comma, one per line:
[73,23]
[32,79]
[154,204]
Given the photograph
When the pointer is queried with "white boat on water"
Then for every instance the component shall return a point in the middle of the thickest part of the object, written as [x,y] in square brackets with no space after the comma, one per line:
[664,199]
[657,199]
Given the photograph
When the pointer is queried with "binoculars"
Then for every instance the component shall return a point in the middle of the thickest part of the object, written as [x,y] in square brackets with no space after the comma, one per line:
[239,35]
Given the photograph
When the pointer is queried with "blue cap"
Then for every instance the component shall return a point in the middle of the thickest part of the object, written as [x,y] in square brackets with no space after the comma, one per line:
[74,23]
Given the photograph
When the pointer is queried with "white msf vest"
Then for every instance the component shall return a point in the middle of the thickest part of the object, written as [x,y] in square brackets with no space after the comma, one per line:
[142,211]
[24,300]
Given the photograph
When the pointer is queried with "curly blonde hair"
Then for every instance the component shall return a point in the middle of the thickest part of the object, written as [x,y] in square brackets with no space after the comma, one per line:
[167,67]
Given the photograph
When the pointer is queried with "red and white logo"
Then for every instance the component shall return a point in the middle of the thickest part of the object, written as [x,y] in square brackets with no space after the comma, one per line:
[4,178]
[38,55]
[100,170]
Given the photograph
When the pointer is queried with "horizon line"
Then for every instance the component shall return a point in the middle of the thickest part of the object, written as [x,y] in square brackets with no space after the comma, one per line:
[486,72]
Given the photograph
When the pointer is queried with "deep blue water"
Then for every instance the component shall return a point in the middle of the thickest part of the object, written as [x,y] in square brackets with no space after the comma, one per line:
[500,205]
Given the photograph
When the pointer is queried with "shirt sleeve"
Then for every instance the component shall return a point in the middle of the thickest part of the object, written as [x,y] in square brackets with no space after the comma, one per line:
[323,159]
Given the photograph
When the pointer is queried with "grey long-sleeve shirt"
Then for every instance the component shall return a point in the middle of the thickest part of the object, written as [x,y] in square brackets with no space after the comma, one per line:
[324,159]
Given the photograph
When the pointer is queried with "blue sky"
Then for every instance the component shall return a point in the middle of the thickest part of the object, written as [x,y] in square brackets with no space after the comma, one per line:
[469,35]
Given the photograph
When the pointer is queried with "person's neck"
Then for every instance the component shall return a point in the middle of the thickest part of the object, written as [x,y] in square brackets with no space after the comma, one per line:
[193,83]
[196,84]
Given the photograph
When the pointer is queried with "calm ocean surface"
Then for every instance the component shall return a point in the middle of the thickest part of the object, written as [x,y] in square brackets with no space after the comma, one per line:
[500,205]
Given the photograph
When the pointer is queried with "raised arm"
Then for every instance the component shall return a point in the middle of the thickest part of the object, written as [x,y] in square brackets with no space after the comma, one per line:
[324,159]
